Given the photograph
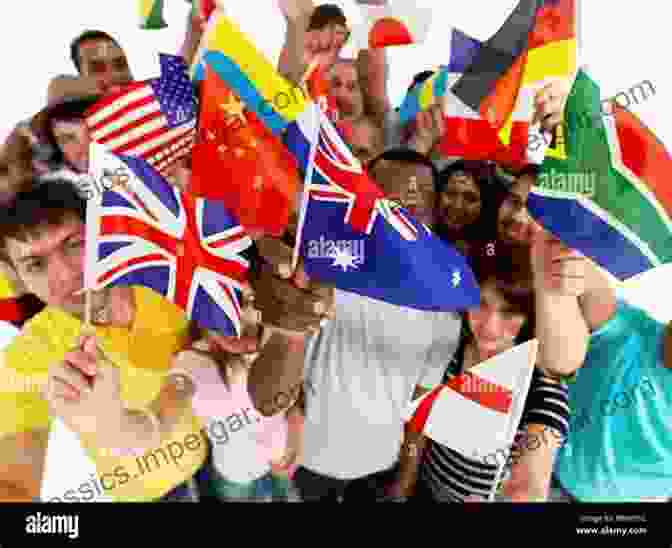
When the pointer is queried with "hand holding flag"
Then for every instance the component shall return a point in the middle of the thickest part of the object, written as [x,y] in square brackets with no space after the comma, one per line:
[187,249]
[490,398]
[608,196]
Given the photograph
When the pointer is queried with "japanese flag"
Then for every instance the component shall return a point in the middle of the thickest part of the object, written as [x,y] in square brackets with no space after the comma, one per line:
[477,413]
[398,24]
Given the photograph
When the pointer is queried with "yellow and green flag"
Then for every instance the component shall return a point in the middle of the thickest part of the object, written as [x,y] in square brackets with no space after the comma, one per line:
[151,14]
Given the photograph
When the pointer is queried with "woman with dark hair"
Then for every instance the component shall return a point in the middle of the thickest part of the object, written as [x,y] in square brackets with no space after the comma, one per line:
[466,204]
[509,314]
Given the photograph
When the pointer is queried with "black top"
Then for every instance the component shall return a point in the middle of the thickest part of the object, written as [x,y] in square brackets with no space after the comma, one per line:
[452,476]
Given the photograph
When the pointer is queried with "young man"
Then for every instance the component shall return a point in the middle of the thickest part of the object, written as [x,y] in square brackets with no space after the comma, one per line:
[619,447]
[365,366]
[110,407]
[99,57]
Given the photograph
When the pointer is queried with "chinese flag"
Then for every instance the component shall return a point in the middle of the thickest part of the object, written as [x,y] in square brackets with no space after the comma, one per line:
[239,161]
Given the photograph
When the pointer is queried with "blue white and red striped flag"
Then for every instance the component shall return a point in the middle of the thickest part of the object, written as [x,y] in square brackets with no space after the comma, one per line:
[351,236]
[146,232]
[153,120]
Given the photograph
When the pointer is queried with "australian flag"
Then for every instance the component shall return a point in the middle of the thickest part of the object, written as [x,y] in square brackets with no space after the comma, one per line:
[353,238]
[142,231]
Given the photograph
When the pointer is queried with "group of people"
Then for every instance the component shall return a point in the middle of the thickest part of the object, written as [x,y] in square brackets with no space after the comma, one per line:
[308,404]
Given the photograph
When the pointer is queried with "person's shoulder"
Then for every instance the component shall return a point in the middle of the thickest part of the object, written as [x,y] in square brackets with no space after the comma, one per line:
[628,320]
[39,342]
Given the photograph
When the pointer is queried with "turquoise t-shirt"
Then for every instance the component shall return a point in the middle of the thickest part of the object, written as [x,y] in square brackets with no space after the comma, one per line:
[619,447]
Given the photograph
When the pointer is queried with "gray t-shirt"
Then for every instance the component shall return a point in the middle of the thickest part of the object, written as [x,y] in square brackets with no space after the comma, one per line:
[361,371]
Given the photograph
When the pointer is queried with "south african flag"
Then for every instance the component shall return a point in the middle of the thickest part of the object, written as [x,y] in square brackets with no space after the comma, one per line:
[609,195]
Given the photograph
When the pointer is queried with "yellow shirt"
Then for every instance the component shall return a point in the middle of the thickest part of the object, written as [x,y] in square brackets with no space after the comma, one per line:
[144,353]
[6,287]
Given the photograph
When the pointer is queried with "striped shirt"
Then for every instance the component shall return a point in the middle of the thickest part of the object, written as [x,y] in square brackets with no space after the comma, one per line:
[452,477]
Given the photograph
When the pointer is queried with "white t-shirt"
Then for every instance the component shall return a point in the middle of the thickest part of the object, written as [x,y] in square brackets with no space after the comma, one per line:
[361,371]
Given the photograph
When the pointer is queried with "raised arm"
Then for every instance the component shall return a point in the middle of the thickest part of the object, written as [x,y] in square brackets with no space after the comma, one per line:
[193,35]
[293,63]
[373,73]
[560,327]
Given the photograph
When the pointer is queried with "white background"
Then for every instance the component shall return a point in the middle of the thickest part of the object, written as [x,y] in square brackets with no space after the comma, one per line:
[623,43]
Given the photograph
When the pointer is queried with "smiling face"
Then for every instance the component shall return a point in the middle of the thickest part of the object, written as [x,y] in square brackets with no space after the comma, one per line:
[459,202]
[513,218]
[409,184]
[106,62]
[496,322]
[346,91]
[50,262]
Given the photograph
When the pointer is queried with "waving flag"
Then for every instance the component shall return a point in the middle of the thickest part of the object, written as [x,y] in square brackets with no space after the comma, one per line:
[610,198]
[145,232]
[462,52]
[151,14]
[489,108]
[352,237]
[239,161]
[400,24]
[487,89]
[153,120]
[490,398]
[240,65]
[204,8]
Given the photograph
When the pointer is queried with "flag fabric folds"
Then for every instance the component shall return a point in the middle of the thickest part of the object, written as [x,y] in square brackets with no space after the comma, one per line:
[145,232]
[151,14]
[239,161]
[350,236]
[462,52]
[610,198]
[204,8]
[239,64]
[406,264]
[489,398]
[399,24]
[490,107]
[154,120]
[488,89]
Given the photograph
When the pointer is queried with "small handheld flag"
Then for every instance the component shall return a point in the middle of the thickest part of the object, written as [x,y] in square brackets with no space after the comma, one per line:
[151,14]
[489,398]
[610,197]
[153,120]
[399,24]
[145,232]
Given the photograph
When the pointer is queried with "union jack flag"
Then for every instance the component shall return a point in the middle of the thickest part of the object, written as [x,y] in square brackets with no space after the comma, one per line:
[153,120]
[145,232]
[352,237]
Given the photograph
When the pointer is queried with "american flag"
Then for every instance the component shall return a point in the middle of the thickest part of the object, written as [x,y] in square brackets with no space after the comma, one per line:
[187,249]
[154,120]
